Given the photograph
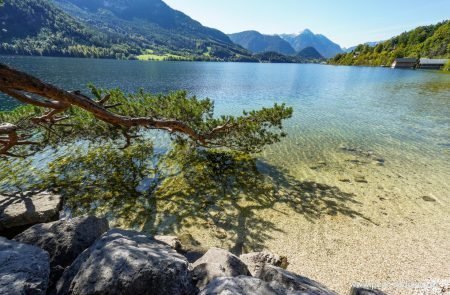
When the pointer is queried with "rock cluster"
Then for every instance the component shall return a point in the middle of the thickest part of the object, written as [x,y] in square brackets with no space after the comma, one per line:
[82,256]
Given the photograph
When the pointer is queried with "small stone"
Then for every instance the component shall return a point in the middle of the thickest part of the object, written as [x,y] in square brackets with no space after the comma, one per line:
[344,180]
[361,179]
[172,241]
[428,199]
[365,291]
[255,261]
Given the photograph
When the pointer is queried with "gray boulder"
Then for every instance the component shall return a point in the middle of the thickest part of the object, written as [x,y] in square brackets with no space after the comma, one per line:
[127,262]
[295,284]
[24,269]
[365,291]
[217,263]
[255,261]
[64,240]
[240,285]
[19,211]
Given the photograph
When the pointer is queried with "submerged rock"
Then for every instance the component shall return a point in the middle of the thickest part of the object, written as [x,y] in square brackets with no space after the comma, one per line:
[191,248]
[127,262]
[64,240]
[344,180]
[19,211]
[365,291]
[280,278]
[217,263]
[241,285]
[24,269]
[361,179]
[428,199]
[255,261]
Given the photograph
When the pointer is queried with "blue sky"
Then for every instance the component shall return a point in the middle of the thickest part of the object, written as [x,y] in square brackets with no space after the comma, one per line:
[346,22]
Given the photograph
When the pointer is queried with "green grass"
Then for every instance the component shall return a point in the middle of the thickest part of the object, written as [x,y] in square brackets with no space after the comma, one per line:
[151,55]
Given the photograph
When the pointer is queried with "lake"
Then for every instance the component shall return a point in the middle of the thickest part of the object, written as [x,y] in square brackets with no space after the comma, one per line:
[367,149]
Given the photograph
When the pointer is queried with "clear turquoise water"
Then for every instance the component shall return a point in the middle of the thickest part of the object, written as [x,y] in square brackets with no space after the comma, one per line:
[402,116]
[357,106]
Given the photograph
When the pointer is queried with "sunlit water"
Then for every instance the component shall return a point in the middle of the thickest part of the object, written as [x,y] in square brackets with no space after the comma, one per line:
[379,135]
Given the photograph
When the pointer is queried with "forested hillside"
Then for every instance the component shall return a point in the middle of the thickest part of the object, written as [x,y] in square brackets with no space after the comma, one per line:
[427,41]
[37,27]
[109,29]
[310,53]
[162,30]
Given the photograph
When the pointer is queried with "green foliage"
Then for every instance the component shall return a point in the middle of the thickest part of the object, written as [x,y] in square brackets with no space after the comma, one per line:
[275,57]
[427,41]
[447,66]
[249,132]
[310,53]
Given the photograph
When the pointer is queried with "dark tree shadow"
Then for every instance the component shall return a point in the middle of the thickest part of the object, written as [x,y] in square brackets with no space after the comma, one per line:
[224,193]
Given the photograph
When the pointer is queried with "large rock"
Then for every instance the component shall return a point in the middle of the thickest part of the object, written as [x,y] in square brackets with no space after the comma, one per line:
[127,262]
[217,263]
[241,285]
[64,240]
[255,261]
[295,284]
[24,269]
[19,211]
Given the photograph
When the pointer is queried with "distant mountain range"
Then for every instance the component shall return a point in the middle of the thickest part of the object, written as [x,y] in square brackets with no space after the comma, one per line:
[306,38]
[140,29]
[425,41]
[289,44]
[258,43]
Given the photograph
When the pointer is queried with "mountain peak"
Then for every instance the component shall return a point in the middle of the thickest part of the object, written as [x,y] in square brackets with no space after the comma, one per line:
[306,31]
[307,38]
[258,43]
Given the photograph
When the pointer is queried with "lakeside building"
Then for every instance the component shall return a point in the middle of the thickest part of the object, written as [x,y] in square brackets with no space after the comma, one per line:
[404,63]
[429,63]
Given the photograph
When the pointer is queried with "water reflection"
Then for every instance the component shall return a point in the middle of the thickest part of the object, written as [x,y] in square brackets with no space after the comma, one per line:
[230,196]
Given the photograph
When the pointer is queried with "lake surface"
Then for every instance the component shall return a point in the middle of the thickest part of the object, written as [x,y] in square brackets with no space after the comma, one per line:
[377,134]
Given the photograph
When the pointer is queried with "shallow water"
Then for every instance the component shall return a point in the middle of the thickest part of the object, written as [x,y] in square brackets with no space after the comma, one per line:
[375,140]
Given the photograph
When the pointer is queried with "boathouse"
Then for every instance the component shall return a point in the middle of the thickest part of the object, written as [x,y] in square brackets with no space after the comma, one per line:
[430,63]
[404,63]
